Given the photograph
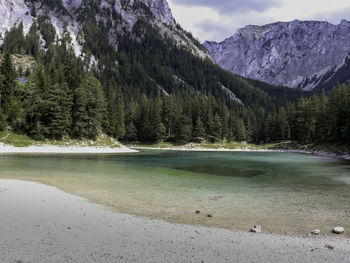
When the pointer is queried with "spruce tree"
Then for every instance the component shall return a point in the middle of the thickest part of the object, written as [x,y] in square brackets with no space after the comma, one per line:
[199,131]
[131,132]
[59,111]
[218,127]
[241,130]
[8,102]
[95,106]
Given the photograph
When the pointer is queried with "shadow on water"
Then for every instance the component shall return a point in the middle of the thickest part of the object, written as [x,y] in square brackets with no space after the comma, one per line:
[222,171]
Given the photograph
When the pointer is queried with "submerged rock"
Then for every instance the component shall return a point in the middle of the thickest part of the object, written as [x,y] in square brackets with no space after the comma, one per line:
[338,230]
[316,232]
[256,229]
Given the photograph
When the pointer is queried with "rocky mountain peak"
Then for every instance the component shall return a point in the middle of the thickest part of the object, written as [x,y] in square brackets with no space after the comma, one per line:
[296,54]
[161,10]
[119,16]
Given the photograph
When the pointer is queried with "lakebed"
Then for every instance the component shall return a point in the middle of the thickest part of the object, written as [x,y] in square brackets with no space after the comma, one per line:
[283,192]
[42,224]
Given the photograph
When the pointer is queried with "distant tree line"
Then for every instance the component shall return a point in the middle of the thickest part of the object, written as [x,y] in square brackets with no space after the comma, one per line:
[320,118]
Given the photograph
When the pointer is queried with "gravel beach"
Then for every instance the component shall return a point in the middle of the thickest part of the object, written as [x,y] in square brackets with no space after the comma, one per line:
[51,149]
[40,223]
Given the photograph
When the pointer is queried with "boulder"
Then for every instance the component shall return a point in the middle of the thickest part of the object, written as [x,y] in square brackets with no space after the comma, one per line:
[256,229]
[338,230]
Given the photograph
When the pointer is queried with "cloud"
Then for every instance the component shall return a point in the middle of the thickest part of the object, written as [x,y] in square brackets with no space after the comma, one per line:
[334,16]
[219,19]
[231,6]
[212,30]
[209,29]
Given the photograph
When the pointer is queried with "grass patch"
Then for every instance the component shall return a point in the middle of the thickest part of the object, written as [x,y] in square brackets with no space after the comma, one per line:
[101,141]
[16,140]
[209,145]
[162,145]
[24,141]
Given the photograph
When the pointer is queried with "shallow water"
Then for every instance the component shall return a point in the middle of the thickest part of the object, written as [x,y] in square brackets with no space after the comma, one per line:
[283,192]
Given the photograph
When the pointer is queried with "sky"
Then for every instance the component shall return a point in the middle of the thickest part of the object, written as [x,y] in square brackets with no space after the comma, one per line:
[219,19]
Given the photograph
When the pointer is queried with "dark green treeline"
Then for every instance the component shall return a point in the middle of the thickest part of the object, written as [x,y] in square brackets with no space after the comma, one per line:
[317,119]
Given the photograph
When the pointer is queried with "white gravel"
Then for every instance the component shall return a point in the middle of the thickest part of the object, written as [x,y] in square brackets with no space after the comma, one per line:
[40,223]
[47,149]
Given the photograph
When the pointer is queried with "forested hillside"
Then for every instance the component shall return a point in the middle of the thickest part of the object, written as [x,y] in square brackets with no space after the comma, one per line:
[148,89]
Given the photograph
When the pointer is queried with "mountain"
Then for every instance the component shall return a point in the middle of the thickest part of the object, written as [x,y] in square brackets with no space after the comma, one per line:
[299,54]
[79,68]
[119,16]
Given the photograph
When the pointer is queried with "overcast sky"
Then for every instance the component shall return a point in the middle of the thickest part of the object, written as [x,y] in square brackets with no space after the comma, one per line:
[219,19]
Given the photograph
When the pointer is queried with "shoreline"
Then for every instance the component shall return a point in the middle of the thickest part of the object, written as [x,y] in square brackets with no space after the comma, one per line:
[74,229]
[199,149]
[76,149]
[55,149]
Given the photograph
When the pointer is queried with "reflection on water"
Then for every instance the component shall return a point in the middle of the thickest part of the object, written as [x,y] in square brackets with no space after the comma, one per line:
[284,192]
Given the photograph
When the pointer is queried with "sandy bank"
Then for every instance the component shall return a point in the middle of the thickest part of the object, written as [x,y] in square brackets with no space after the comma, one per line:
[47,149]
[42,224]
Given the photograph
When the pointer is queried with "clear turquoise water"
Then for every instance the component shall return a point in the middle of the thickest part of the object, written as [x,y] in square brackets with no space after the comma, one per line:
[284,192]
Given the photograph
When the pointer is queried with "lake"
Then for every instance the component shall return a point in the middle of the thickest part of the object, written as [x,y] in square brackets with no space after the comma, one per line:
[283,192]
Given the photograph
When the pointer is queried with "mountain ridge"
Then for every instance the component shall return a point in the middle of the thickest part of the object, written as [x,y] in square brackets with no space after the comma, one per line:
[296,54]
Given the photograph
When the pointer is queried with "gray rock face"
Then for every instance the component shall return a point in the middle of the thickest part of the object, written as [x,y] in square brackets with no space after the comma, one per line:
[297,54]
[161,10]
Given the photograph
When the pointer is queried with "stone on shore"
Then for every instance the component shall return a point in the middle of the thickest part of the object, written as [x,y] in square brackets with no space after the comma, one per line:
[338,230]
[256,229]
[316,232]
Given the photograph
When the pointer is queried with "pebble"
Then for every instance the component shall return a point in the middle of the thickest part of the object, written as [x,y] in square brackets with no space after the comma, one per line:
[316,232]
[338,230]
[256,229]
[329,247]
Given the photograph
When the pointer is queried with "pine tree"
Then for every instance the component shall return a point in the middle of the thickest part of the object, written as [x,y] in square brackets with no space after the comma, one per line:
[115,119]
[218,127]
[95,106]
[156,118]
[59,112]
[8,101]
[199,131]
[33,41]
[80,117]
[169,114]
[3,122]
[131,132]
[241,131]
[120,116]
[284,128]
